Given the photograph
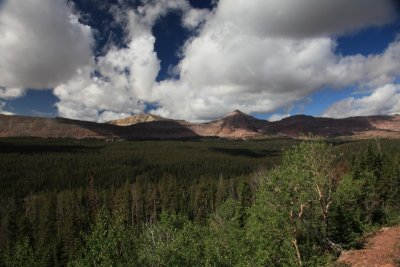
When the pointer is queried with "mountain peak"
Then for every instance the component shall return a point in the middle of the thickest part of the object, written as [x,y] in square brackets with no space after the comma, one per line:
[236,112]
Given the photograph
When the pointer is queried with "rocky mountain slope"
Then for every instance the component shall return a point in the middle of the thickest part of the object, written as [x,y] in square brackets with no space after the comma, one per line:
[235,125]
[139,118]
[11,126]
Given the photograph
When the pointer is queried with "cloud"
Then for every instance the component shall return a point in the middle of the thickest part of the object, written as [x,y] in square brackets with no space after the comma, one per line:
[153,10]
[256,56]
[384,100]
[278,117]
[75,110]
[239,61]
[194,17]
[305,18]
[112,115]
[126,76]
[42,43]
[371,71]
[120,82]
[9,93]
[3,105]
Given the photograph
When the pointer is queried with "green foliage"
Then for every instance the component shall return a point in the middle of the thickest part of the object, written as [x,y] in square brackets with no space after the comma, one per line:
[269,233]
[367,197]
[289,218]
[110,243]
[191,203]
[172,241]
[346,218]
[225,243]
[35,165]
[52,188]
[22,256]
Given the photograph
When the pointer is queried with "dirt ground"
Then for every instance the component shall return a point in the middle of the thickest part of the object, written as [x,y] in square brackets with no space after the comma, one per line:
[382,249]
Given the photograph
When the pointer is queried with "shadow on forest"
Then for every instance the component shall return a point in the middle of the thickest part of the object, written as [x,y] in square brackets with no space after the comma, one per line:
[246,152]
[6,148]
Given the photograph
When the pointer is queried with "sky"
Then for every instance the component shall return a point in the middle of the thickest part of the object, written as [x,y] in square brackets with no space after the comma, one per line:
[198,60]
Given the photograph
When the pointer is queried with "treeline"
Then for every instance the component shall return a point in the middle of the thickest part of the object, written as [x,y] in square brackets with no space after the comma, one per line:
[315,202]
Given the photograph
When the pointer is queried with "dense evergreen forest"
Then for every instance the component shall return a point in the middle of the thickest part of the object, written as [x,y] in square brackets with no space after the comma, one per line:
[208,202]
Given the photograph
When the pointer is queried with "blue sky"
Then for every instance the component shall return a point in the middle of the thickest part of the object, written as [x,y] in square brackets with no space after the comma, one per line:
[111,29]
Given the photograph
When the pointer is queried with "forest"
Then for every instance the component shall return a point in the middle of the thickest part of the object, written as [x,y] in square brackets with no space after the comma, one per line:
[208,202]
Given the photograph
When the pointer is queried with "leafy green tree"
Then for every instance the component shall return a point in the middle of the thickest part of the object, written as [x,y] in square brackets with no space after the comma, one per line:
[246,200]
[172,241]
[268,230]
[225,243]
[289,220]
[110,243]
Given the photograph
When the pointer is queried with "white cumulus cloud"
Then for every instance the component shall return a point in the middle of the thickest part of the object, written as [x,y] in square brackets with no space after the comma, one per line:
[9,93]
[126,75]
[194,17]
[384,100]
[278,117]
[246,57]
[118,83]
[254,55]
[3,110]
[42,43]
[303,18]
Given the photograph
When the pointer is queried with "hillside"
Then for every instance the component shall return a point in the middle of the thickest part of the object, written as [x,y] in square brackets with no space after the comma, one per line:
[139,118]
[235,125]
[21,126]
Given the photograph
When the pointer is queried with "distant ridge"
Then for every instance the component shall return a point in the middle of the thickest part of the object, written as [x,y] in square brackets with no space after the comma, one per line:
[235,125]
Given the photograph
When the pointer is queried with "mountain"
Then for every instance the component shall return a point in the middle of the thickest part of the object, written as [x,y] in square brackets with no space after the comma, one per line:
[139,118]
[356,127]
[326,127]
[51,127]
[235,125]
[11,126]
